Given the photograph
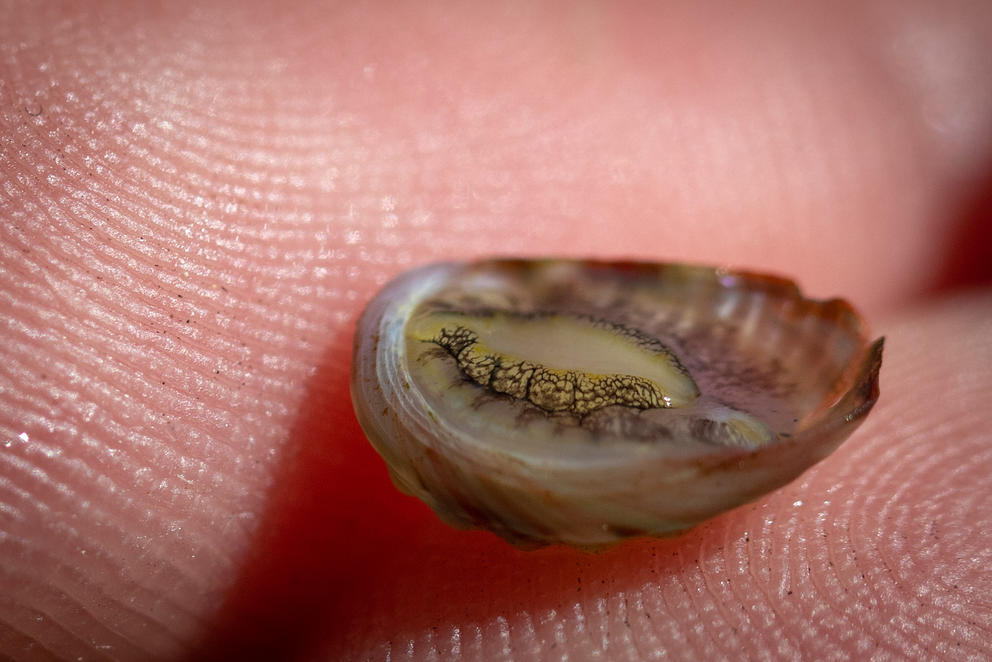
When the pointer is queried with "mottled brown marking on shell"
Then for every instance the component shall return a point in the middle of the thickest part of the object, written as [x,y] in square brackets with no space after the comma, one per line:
[558,391]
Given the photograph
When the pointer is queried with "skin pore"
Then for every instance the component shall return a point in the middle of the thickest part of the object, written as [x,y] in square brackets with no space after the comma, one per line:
[196,201]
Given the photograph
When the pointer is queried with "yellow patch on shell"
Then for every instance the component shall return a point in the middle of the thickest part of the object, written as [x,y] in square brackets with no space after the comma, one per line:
[560,363]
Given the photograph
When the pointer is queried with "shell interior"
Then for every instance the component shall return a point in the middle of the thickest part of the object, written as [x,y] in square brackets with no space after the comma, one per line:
[584,402]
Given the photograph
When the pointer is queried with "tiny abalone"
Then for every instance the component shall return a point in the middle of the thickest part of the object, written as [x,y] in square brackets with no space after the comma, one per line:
[581,402]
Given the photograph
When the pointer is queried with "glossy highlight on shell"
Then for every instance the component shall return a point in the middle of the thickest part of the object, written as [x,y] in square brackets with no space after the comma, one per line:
[579,402]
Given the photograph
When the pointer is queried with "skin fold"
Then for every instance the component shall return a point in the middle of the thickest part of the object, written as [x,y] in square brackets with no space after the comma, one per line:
[196,200]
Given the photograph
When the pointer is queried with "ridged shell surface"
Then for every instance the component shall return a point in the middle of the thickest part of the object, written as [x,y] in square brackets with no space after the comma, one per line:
[577,402]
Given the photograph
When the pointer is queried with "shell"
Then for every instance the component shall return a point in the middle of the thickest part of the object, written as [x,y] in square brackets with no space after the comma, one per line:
[578,402]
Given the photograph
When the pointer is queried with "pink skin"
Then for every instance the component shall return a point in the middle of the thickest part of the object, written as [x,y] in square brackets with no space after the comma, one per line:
[196,202]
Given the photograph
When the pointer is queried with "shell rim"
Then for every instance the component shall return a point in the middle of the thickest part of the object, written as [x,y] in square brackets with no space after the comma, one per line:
[858,396]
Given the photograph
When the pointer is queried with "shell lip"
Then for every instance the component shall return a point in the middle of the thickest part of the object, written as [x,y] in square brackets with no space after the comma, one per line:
[726,276]
[865,391]
[855,402]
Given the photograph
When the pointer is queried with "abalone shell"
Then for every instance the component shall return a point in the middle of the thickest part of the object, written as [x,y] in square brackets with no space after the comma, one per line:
[583,402]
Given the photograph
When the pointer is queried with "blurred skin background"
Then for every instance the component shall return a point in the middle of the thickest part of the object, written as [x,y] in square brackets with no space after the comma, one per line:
[196,200]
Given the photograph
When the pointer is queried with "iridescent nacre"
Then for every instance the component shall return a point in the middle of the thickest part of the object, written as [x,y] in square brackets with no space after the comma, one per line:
[576,402]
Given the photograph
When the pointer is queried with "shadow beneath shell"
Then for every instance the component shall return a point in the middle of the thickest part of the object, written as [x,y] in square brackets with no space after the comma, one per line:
[342,557]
